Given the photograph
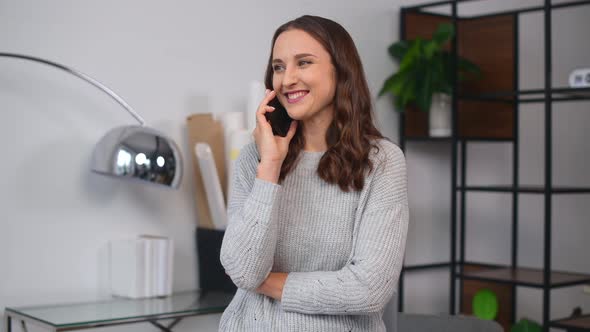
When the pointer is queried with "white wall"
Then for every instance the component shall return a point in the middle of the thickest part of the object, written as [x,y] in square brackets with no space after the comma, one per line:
[171,60]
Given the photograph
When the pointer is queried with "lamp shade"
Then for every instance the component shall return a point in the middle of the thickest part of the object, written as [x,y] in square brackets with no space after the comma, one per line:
[140,153]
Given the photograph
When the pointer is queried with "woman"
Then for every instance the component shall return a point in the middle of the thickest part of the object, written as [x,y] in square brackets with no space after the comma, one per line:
[318,218]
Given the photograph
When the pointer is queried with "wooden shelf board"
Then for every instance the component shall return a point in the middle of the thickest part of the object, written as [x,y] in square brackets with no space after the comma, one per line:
[527,277]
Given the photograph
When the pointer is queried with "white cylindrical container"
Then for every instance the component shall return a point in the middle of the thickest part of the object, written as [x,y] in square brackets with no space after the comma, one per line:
[230,121]
[238,139]
[256,93]
[439,117]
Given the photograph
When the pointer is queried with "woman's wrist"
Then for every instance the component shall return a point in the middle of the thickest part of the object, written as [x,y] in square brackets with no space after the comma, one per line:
[273,285]
[269,171]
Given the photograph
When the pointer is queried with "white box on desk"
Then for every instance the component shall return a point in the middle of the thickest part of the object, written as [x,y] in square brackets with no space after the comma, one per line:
[141,267]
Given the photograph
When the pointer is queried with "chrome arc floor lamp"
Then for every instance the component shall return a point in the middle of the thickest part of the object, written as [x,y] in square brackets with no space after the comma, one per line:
[135,152]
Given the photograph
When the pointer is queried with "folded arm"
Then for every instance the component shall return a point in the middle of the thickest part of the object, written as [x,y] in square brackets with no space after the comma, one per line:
[366,284]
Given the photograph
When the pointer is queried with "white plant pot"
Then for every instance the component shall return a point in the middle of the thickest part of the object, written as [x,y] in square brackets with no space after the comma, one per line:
[439,117]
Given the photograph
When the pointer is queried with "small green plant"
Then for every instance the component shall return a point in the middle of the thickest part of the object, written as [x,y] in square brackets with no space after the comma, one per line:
[526,325]
[485,304]
[425,68]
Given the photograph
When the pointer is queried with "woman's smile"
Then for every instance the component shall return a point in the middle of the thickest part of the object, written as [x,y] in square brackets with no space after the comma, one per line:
[295,96]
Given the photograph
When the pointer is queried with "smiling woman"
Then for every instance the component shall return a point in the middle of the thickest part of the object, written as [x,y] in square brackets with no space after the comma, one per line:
[317,218]
[318,56]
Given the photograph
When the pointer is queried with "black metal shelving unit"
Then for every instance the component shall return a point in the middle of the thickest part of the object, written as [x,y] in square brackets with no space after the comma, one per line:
[513,275]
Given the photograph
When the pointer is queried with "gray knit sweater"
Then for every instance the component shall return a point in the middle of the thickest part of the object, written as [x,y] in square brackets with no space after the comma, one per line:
[343,250]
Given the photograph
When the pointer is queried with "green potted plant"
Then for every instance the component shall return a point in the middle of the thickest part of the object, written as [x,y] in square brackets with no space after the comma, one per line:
[485,306]
[424,77]
[526,325]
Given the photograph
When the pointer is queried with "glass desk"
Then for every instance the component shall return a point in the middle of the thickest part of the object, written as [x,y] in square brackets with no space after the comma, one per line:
[77,316]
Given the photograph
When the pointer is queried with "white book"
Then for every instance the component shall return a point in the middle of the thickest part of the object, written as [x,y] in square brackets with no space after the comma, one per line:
[159,265]
[170,267]
[162,270]
[148,266]
[126,264]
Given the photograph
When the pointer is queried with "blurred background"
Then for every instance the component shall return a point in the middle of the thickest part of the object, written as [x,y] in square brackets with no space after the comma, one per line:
[176,58]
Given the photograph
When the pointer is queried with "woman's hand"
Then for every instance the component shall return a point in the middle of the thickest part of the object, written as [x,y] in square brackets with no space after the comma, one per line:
[273,285]
[272,149]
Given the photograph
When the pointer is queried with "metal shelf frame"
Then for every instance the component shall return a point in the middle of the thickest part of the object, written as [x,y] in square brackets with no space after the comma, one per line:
[547,95]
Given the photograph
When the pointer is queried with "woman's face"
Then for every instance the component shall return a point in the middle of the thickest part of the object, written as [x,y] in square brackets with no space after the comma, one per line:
[303,76]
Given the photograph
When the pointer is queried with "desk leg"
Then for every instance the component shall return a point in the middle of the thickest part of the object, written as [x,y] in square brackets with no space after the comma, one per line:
[165,328]
[176,321]
[7,323]
[23,326]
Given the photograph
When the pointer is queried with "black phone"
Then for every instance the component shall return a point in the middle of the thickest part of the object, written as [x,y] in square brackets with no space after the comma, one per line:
[280,121]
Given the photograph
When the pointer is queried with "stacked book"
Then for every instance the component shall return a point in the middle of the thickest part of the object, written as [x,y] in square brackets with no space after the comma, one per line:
[141,267]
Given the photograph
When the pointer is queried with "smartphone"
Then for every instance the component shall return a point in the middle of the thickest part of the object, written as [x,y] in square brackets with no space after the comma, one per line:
[280,121]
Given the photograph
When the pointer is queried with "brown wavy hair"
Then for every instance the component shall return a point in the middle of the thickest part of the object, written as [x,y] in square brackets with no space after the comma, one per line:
[352,133]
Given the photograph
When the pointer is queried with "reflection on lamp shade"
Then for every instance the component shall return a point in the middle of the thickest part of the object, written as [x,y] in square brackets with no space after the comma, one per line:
[138,152]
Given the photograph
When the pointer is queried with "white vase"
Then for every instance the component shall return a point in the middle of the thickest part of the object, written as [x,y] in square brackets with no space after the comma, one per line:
[439,117]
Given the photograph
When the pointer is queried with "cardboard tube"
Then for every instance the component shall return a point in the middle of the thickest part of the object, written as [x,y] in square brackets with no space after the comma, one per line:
[238,139]
[255,95]
[212,185]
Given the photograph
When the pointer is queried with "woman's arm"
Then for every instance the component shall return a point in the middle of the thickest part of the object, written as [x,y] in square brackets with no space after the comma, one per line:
[366,284]
[248,246]
[249,243]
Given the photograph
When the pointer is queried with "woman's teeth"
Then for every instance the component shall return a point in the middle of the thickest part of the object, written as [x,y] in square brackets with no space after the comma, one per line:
[295,96]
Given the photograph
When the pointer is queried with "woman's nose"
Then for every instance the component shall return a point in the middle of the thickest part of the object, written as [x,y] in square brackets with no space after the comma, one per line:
[290,77]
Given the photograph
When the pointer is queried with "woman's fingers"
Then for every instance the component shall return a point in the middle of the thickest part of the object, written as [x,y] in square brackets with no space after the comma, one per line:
[269,96]
[263,108]
[261,119]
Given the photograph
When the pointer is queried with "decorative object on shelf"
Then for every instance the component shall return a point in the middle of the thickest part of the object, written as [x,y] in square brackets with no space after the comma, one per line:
[526,325]
[576,313]
[439,117]
[580,78]
[141,267]
[485,304]
[132,152]
[424,77]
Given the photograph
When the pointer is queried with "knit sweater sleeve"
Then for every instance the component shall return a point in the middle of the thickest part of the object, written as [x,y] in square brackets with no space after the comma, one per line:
[249,242]
[366,284]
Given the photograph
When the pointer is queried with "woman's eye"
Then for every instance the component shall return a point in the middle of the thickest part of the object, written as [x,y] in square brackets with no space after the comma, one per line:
[304,62]
[277,68]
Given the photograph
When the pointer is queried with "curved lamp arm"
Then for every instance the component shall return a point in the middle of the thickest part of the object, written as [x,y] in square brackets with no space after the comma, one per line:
[83,76]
